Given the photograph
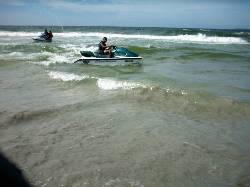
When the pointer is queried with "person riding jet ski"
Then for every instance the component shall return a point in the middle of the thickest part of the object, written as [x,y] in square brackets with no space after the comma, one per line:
[45,34]
[44,37]
[104,49]
[50,35]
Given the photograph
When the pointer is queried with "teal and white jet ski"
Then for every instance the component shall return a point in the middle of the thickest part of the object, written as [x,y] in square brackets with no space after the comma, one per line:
[119,55]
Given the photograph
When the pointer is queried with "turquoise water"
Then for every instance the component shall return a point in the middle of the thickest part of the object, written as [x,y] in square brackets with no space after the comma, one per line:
[179,119]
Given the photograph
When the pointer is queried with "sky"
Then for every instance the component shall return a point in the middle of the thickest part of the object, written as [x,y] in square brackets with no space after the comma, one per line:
[224,14]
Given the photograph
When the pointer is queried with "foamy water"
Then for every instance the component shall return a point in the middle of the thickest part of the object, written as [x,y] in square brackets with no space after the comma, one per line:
[66,76]
[186,38]
[110,84]
[102,83]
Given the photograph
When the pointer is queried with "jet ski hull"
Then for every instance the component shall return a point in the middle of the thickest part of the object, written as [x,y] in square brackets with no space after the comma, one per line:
[119,55]
[115,60]
[41,40]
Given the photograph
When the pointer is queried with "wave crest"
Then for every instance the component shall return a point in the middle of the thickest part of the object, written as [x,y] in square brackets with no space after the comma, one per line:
[183,38]
[62,76]
[198,38]
[111,84]
[177,101]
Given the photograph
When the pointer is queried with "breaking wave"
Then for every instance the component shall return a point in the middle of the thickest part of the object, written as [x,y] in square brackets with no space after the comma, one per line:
[102,83]
[187,102]
[48,58]
[111,84]
[63,76]
[198,38]
[18,34]
[183,38]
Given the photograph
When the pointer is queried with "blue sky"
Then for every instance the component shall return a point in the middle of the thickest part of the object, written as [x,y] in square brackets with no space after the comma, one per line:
[154,13]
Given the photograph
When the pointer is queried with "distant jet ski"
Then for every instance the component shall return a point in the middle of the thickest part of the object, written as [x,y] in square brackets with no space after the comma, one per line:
[44,37]
[119,54]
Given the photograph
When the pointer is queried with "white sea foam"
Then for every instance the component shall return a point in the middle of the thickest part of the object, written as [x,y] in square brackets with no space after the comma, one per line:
[76,48]
[33,57]
[240,33]
[43,63]
[14,55]
[63,76]
[204,30]
[107,84]
[58,59]
[19,34]
[52,58]
[111,84]
[198,38]
[102,83]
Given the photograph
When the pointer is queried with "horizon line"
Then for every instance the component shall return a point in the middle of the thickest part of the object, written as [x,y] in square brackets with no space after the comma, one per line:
[124,27]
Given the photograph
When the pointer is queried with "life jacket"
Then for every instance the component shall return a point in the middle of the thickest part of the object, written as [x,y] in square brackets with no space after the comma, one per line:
[102,46]
[50,35]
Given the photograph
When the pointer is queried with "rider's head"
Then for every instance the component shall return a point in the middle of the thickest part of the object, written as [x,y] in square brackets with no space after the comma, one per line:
[104,39]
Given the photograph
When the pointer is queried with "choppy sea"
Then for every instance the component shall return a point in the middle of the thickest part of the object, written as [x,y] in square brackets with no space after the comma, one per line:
[182,118]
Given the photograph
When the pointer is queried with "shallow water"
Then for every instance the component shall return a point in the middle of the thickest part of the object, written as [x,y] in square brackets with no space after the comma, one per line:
[179,119]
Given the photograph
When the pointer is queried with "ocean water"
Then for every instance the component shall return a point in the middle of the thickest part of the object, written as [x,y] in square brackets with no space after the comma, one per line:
[182,118]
